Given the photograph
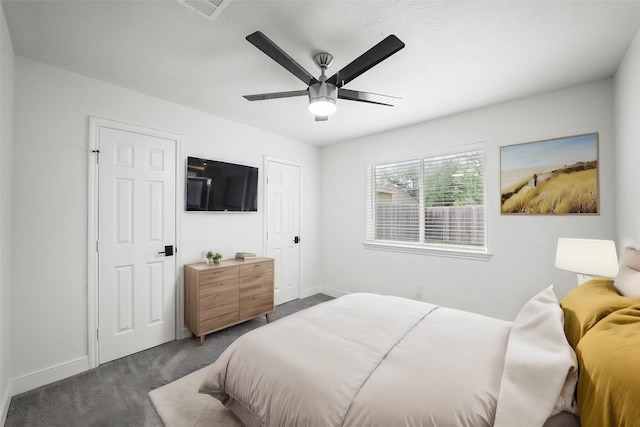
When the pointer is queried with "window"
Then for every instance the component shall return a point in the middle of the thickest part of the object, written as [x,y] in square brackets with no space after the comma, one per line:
[430,204]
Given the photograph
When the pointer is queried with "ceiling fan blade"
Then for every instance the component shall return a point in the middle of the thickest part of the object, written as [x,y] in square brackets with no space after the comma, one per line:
[263,43]
[373,98]
[367,60]
[276,95]
[322,118]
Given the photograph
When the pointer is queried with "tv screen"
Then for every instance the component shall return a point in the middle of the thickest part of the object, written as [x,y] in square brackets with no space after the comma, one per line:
[219,186]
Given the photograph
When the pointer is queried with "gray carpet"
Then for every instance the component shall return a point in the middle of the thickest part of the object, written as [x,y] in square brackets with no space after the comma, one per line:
[116,393]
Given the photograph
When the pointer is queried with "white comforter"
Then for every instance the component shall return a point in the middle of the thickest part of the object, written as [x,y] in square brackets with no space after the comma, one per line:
[366,360]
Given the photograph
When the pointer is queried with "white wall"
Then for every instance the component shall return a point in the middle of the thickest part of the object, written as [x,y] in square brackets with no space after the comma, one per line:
[523,247]
[7,81]
[52,109]
[627,128]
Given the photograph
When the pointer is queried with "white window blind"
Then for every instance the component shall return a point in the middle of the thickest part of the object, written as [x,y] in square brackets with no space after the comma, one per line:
[435,202]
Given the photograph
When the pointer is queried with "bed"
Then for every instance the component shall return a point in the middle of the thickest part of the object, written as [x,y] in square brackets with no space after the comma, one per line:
[372,360]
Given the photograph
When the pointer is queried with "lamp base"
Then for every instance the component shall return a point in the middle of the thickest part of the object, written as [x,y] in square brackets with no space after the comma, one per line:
[584,278]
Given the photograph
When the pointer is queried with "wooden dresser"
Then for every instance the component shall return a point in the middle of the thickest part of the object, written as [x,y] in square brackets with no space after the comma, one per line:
[217,296]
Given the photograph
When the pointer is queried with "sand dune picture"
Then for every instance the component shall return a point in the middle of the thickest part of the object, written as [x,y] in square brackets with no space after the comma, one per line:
[557,176]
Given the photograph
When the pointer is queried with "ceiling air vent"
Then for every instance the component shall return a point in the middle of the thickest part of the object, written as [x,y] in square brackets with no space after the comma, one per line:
[209,9]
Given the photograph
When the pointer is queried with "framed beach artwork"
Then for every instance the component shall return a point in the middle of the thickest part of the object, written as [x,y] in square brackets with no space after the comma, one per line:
[555,177]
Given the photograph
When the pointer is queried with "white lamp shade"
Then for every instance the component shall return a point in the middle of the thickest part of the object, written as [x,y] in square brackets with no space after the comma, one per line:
[587,256]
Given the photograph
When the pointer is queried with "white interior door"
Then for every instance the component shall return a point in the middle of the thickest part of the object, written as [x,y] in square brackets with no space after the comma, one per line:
[283,228]
[136,220]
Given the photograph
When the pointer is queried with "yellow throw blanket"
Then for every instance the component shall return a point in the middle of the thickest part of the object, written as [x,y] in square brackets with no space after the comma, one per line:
[609,380]
[587,304]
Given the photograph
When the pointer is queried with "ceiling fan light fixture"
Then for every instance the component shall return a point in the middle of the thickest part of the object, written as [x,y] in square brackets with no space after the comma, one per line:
[322,107]
[322,99]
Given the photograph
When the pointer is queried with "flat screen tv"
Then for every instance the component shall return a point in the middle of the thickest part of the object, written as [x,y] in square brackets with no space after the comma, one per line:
[219,186]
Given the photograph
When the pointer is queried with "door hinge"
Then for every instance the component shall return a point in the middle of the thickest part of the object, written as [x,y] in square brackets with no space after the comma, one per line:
[97,245]
[97,155]
[98,334]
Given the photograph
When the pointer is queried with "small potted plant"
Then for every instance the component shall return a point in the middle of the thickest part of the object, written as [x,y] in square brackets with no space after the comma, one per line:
[209,256]
[217,257]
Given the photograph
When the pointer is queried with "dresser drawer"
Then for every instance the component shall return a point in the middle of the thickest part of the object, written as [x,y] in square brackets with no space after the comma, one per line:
[258,288]
[251,306]
[214,288]
[256,280]
[256,268]
[256,298]
[217,274]
[220,321]
[218,310]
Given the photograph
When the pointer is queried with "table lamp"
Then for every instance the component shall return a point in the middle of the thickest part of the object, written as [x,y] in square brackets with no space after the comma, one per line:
[588,258]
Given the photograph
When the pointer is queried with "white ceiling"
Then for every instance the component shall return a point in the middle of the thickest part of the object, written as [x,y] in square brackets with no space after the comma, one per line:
[459,55]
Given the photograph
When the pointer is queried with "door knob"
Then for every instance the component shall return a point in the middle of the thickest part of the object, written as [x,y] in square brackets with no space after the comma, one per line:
[168,251]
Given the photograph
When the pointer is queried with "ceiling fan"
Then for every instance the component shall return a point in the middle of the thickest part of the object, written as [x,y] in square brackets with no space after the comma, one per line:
[323,91]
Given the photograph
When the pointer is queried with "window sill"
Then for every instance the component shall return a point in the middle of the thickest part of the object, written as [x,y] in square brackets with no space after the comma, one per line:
[464,253]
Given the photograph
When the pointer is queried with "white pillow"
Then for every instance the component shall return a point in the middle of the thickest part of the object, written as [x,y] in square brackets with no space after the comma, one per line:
[540,367]
[628,280]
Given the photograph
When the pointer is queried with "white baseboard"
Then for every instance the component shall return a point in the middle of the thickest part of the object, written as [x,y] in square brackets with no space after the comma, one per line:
[5,402]
[185,333]
[48,375]
[332,292]
[321,290]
